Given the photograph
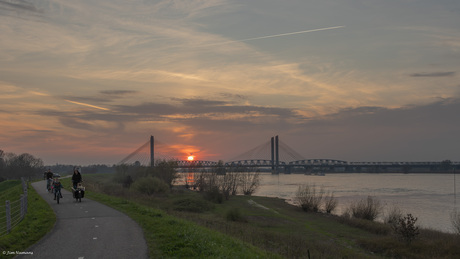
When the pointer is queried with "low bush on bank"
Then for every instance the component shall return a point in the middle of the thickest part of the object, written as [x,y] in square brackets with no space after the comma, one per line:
[308,197]
[455,219]
[234,214]
[213,195]
[330,202]
[311,199]
[406,229]
[393,215]
[368,208]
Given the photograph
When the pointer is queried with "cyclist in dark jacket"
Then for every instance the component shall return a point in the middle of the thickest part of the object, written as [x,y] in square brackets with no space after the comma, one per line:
[76,178]
[48,174]
[49,178]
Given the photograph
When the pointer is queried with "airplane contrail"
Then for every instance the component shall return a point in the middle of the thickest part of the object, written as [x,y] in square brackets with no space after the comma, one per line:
[280,35]
[88,105]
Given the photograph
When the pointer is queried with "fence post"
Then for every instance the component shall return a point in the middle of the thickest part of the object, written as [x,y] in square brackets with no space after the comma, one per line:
[22,206]
[26,203]
[24,199]
[24,184]
[8,217]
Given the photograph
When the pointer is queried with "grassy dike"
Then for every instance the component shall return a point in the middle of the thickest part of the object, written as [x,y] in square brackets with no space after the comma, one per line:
[168,236]
[38,221]
[182,224]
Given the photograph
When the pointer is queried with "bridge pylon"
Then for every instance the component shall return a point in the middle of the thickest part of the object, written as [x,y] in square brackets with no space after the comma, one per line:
[152,158]
[275,159]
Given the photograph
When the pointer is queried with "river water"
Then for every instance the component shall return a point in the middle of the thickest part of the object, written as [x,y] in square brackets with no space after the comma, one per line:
[429,197]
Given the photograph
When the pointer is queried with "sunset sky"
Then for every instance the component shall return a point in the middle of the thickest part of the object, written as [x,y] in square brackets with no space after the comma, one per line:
[87,82]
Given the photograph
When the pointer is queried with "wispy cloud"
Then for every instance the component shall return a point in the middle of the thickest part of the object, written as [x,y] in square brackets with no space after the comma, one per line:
[434,74]
[278,35]
[88,105]
[17,5]
[118,92]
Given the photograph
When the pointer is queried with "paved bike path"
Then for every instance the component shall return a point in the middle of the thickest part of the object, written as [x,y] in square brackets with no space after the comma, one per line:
[86,230]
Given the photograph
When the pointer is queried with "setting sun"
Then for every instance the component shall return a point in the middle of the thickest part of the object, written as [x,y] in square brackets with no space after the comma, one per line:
[190,158]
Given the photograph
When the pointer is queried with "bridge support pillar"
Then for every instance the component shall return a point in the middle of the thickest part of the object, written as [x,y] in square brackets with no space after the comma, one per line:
[275,155]
[152,160]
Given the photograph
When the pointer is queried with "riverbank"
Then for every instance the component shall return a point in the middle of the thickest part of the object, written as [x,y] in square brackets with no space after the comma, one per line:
[262,225]
[429,197]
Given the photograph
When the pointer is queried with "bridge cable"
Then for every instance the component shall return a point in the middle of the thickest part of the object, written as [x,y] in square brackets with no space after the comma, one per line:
[255,153]
[293,155]
[123,161]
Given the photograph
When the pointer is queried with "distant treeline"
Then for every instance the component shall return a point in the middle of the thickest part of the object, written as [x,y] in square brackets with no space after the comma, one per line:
[13,166]
[90,169]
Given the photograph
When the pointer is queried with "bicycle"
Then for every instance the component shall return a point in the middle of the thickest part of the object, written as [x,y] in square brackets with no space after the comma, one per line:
[78,192]
[57,195]
[48,185]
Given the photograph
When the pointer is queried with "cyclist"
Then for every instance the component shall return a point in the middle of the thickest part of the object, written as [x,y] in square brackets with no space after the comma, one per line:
[57,188]
[49,178]
[76,178]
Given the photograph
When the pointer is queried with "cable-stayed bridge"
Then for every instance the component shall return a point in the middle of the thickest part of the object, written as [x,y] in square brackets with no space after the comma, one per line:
[276,156]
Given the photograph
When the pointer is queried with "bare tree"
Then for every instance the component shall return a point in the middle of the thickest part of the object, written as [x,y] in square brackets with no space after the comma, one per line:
[308,197]
[455,219]
[330,202]
[393,215]
[200,181]
[16,166]
[369,208]
[207,181]
[228,184]
[249,182]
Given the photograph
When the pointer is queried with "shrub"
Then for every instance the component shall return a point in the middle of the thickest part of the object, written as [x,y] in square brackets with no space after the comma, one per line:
[234,214]
[218,184]
[166,171]
[214,195]
[150,185]
[249,182]
[330,202]
[209,185]
[228,183]
[393,215]
[206,181]
[405,229]
[368,209]
[127,181]
[455,219]
[308,198]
